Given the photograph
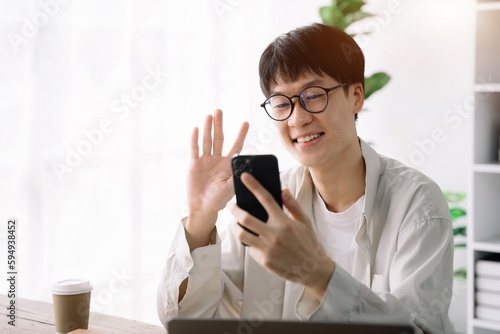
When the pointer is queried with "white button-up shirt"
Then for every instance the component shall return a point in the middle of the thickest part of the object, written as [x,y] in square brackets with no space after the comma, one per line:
[402,270]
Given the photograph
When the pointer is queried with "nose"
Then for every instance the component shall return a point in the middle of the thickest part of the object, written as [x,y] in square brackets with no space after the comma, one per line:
[299,116]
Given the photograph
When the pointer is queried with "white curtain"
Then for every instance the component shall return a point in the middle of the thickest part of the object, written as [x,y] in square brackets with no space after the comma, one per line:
[98,102]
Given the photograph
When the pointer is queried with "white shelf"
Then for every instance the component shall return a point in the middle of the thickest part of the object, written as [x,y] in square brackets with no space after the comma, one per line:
[483,231]
[487,168]
[486,324]
[482,6]
[488,245]
[487,87]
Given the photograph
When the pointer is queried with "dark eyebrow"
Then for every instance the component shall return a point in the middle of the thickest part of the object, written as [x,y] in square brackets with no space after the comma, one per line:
[307,84]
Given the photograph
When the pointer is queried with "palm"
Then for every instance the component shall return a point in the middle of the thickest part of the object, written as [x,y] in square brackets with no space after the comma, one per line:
[210,184]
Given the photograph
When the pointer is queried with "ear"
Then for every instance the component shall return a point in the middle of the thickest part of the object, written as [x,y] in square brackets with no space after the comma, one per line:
[358,96]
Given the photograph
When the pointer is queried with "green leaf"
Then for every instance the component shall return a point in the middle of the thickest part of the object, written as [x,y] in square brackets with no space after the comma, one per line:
[457,213]
[332,16]
[326,14]
[454,197]
[375,82]
[460,230]
[460,273]
[348,7]
[341,14]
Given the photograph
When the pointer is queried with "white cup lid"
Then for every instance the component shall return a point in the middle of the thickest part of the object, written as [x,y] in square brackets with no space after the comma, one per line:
[71,287]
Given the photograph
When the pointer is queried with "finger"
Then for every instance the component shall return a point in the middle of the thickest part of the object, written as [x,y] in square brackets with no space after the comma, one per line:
[238,144]
[207,136]
[245,219]
[294,208]
[195,149]
[263,196]
[218,133]
[248,238]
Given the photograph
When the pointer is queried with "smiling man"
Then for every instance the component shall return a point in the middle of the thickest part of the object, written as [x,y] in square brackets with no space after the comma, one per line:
[363,238]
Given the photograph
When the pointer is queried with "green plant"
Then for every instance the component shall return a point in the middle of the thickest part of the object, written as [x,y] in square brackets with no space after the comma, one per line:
[341,14]
[459,231]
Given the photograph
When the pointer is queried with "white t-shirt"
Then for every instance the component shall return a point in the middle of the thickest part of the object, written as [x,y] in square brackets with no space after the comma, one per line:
[337,231]
[337,235]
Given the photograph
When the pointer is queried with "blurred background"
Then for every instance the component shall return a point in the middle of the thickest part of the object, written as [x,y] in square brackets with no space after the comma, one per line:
[99,99]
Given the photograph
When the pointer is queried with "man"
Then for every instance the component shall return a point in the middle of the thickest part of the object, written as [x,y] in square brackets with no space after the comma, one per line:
[362,238]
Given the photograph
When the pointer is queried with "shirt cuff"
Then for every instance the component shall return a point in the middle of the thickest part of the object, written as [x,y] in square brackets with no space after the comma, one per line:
[340,299]
[306,305]
[201,257]
[208,256]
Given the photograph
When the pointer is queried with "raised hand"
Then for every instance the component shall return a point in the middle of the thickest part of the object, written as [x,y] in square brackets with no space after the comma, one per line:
[210,182]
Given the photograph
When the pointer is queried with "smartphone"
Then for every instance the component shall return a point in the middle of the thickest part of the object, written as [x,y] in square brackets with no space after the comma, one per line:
[265,169]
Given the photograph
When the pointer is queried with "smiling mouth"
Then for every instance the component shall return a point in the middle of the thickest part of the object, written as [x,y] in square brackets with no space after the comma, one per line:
[308,138]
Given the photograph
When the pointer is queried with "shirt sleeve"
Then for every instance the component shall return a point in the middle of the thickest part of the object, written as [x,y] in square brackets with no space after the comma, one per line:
[210,291]
[202,266]
[419,286]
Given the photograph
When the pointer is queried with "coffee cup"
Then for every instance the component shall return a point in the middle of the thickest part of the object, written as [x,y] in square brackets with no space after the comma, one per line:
[71,304]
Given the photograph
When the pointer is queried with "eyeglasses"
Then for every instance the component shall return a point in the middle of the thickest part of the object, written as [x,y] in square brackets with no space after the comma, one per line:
[313,99]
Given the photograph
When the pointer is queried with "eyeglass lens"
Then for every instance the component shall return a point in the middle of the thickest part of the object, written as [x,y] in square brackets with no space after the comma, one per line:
[313,99]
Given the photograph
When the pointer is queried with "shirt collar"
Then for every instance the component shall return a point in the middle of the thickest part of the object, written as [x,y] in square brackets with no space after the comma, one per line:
[372,177]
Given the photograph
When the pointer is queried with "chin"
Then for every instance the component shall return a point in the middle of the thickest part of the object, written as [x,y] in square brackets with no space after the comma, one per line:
[306,161]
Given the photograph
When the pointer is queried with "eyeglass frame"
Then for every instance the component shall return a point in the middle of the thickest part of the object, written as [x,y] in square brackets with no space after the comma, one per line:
[327,90]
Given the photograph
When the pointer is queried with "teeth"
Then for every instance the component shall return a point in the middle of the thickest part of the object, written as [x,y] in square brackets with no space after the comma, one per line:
[308,138]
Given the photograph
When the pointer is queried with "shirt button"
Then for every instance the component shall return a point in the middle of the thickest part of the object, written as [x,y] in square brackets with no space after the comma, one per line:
[204,257]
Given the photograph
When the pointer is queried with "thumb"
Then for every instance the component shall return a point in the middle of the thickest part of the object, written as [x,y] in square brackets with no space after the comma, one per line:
[294,208]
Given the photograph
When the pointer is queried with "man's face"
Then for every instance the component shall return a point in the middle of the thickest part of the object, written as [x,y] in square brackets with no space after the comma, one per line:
[320,139]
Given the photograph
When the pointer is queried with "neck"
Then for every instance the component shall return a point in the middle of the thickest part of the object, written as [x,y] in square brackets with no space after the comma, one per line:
[342,182]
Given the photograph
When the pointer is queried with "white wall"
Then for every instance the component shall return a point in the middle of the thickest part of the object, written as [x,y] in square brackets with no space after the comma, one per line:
[428,48]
